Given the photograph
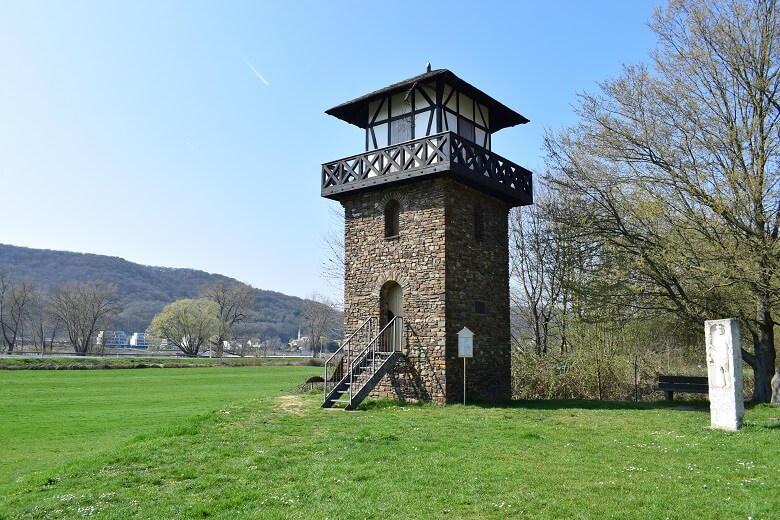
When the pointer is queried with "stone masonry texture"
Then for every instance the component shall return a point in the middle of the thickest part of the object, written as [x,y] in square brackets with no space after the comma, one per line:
[451,277]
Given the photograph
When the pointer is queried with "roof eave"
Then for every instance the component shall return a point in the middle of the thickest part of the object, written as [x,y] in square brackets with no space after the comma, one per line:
[356,111]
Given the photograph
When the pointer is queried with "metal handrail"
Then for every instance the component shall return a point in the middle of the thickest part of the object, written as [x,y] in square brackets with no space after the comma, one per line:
[394,329]
[330,379]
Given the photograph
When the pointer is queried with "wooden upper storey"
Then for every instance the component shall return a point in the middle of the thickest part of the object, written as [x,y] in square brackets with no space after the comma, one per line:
[432,124]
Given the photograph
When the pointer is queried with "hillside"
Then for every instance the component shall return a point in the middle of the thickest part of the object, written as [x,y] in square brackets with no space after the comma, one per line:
[145,290]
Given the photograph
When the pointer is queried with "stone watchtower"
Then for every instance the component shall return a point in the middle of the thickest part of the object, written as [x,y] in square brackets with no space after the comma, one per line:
[426,243]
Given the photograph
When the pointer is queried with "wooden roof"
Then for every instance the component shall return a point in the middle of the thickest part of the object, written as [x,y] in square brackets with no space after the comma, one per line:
[356,111]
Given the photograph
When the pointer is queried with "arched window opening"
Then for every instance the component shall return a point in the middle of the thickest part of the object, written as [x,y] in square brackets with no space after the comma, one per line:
[392,214]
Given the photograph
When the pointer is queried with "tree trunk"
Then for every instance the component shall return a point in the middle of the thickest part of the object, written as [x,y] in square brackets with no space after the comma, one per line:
[598,375]
[10,341]
[764,369]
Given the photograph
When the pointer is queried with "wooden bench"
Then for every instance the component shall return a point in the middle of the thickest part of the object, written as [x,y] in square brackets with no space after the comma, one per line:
[690,384]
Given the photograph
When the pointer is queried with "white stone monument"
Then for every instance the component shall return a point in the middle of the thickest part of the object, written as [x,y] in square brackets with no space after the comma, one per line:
[724,370]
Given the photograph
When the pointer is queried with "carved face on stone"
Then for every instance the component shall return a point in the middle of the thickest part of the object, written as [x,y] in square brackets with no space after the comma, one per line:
[718,357]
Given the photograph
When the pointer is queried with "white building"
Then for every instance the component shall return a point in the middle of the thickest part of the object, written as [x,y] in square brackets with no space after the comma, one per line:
[140,340]
[300,343]
[112,339]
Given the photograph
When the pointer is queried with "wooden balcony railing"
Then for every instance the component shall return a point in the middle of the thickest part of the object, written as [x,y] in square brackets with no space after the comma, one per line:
[435,154]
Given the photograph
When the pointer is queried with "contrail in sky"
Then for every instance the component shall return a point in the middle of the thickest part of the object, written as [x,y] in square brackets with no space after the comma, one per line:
[256,73]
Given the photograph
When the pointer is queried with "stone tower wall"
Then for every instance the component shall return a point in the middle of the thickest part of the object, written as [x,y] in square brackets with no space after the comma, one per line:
[443,269]
[477,282]
[415,259]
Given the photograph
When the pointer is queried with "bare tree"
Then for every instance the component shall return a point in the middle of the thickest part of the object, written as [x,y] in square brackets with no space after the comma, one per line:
[233,303]
[273,344]
[319,319]
[677,171]
[15,299]
[534,263]
[43,322]
[188,324]
[547,260]
[333,247]
[84,309]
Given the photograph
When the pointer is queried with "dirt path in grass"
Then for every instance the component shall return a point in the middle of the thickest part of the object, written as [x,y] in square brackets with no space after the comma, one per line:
[291,404]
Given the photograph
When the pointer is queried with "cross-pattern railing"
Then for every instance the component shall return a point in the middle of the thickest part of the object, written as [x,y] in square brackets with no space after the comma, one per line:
[436,153]
[482,161]
[342,358]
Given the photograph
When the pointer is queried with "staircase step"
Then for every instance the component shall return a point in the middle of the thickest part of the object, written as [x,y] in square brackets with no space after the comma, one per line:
[372,367]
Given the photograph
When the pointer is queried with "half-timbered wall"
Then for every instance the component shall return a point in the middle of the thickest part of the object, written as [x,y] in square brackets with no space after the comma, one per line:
[465,117]
[422,111]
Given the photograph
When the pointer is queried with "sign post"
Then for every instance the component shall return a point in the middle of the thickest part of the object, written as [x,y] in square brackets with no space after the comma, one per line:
[465,350]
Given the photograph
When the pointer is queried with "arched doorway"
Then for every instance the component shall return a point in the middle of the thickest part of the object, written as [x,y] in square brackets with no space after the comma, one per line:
[391,303]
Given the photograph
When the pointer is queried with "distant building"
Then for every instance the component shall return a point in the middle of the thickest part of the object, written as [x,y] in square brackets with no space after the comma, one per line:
[300,343]
[112,339]
[140,340]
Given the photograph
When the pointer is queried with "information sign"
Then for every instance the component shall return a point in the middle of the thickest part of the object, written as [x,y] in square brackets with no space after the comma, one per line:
[465,343]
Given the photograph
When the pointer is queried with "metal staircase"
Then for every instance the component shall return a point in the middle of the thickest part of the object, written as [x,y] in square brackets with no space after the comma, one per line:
[351,374]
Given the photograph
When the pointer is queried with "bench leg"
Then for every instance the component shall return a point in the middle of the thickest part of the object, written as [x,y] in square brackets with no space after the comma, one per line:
[669,395]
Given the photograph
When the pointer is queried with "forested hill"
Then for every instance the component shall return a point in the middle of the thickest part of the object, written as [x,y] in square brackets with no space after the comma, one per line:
[144,290]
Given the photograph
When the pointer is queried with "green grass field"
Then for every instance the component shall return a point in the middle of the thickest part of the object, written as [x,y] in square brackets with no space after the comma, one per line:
[100,362]
[281,456]
[51,416]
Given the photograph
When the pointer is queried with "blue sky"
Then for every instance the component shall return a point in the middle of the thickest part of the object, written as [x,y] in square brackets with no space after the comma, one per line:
[191,134]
